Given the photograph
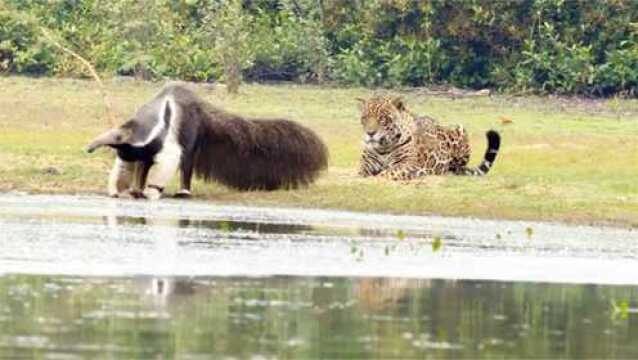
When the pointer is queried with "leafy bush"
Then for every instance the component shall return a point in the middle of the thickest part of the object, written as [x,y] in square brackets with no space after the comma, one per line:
[21,50]
[547,46]
[620,71]
[552,66]
[359,66]
[288,47]
[228,29]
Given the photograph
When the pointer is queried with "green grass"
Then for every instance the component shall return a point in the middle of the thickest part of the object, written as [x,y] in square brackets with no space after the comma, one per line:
[562,159]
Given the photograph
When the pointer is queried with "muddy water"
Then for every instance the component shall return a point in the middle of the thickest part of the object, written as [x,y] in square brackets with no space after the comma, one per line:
[86,276]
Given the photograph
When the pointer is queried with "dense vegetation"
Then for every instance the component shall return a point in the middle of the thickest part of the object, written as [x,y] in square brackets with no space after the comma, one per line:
[556,46]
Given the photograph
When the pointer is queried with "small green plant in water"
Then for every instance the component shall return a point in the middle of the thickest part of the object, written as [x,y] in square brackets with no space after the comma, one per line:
[620,309]
[529,231]
[224,226]
[401,235]
[436,243]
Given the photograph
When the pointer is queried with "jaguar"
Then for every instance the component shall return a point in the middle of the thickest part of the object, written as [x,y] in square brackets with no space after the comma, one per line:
[399,145]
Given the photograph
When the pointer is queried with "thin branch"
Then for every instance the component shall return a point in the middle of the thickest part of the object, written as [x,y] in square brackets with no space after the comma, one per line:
[105,97]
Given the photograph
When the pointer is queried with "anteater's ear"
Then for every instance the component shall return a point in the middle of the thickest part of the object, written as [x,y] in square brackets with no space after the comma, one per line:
[398,103]
[167,114]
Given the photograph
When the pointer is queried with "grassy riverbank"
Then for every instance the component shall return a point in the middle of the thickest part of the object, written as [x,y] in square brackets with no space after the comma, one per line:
[565,160]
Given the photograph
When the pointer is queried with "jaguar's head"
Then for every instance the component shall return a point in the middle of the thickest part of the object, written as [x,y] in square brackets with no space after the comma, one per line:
[380,118]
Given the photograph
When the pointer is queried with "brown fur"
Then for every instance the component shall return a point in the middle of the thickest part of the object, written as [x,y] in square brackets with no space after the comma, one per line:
[245,153]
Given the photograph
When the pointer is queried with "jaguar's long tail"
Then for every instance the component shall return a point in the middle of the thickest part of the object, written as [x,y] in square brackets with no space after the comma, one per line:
[493,144]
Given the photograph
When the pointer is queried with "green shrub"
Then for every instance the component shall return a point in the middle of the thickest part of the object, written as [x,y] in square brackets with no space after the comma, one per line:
[288,47]
[545,46]
[620,71]
[21,50]
[358,66]
[552,66]
[415,62]
[227,30]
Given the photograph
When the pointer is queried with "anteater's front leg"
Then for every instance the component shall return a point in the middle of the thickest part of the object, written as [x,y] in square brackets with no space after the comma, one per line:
[120,177]
[164,166]
[186,172]
[141,174]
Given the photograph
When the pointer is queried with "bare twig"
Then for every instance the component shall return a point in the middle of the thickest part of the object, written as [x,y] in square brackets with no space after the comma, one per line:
[105,97]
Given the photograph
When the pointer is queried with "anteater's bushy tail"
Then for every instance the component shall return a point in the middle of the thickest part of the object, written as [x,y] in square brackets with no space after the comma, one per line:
[251,154]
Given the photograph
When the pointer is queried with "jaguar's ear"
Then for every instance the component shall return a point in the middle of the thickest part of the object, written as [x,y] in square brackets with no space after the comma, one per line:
[398,103]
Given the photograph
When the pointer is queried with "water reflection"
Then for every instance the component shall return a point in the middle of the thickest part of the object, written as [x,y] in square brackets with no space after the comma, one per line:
[239,228]
[218,225]
[310,317]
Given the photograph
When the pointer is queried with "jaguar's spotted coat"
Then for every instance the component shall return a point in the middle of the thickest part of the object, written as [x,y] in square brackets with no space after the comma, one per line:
[400,146]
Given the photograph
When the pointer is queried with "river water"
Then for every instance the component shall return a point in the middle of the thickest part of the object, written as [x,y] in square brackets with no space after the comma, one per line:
[84,276]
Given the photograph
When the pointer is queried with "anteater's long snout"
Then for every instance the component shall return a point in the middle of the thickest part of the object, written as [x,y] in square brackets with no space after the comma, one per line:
[110,137]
